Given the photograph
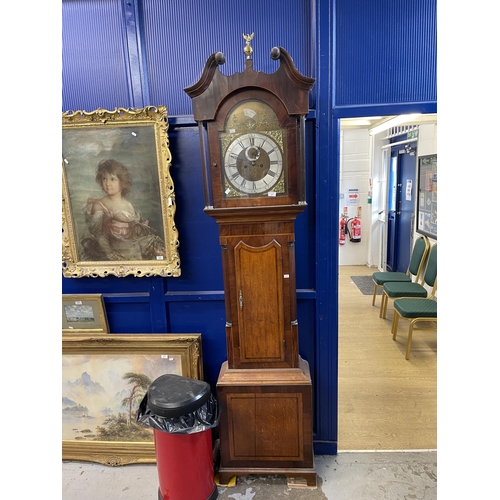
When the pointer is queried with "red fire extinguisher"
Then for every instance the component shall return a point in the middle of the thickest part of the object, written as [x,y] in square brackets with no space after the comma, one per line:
[355,232]
[342,231]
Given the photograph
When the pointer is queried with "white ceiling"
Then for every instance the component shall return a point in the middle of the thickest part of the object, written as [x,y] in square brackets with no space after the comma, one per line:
[371,121]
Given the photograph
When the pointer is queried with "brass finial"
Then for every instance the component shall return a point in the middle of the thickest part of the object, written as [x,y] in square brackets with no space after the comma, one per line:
[248,49]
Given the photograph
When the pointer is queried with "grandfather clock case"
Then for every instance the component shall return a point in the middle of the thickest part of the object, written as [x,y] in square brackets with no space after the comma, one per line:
[251,128]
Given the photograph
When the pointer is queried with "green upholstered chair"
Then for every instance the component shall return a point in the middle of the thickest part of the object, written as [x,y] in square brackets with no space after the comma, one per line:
[414,310]
[395,290]
[415,268]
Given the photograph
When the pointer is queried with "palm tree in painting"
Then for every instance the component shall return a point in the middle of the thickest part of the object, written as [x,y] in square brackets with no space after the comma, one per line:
[140,384]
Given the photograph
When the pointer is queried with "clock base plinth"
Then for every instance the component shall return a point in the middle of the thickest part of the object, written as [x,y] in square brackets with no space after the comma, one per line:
[265,425]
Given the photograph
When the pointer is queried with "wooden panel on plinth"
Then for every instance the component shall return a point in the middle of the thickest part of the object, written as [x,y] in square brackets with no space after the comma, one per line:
[261,425]
[266,422]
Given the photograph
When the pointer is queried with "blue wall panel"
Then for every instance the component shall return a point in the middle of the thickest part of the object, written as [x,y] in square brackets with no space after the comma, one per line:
[306,316]
[93,56]
[128,284]
[209,319]
[385,52]
[131,316]
[199,249]
[180,36]
[305,242]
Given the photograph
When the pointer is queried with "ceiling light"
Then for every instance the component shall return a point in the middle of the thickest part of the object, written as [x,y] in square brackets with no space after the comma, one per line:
[392,122]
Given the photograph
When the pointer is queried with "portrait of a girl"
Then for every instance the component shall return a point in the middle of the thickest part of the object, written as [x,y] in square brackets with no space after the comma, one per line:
[117,229]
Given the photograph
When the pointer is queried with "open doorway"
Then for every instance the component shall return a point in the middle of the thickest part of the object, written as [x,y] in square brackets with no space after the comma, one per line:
[382,404]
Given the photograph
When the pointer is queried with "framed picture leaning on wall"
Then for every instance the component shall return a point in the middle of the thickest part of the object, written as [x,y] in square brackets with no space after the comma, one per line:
[104,379]
[84,313]
[118,199]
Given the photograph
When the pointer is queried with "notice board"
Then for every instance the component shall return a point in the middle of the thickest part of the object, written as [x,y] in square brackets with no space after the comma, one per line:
[427,196]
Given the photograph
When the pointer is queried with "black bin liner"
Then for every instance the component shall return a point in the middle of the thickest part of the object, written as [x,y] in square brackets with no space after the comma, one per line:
[179,405]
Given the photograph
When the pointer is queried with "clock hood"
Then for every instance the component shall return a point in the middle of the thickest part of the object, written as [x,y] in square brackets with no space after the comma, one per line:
[286,82]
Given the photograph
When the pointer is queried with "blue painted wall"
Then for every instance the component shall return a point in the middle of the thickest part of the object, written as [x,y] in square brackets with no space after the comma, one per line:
[385,52]
[367,57]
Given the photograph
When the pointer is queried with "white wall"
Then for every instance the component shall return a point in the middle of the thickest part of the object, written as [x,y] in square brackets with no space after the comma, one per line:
[427,139]
[355,165]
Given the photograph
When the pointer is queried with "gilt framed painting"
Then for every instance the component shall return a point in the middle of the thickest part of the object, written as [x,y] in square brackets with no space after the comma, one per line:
[104,379]
[118,198]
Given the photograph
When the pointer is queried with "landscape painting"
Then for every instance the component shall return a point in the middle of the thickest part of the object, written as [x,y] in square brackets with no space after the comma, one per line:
[104,380]
[79,314]
[101,395]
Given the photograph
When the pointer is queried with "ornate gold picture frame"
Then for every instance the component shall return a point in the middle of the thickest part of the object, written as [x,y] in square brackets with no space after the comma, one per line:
[118,199]
[104,379]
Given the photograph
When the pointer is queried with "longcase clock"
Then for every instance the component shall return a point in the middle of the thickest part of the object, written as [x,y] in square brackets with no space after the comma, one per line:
[251,127]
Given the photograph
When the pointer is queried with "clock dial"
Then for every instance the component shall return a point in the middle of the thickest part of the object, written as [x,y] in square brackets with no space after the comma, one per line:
[253,148]
[253,163]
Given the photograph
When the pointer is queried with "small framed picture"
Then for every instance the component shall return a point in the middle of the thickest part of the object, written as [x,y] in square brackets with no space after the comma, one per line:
[84,314]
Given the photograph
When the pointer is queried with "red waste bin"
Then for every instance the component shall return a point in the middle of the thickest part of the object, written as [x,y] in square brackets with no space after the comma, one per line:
[182,412]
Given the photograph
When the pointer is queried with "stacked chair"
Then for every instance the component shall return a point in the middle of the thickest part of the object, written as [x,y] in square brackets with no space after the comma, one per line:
[415,268]
[395,290]
[412,301]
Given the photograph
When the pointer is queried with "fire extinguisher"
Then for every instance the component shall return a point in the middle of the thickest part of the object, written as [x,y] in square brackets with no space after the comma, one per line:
[342,231]
[355,232]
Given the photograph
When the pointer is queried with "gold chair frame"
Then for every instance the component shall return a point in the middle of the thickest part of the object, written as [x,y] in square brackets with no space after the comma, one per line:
[412,327]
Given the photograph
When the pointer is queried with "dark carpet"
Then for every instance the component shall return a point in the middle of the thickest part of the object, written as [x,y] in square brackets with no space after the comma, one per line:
[365,285]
